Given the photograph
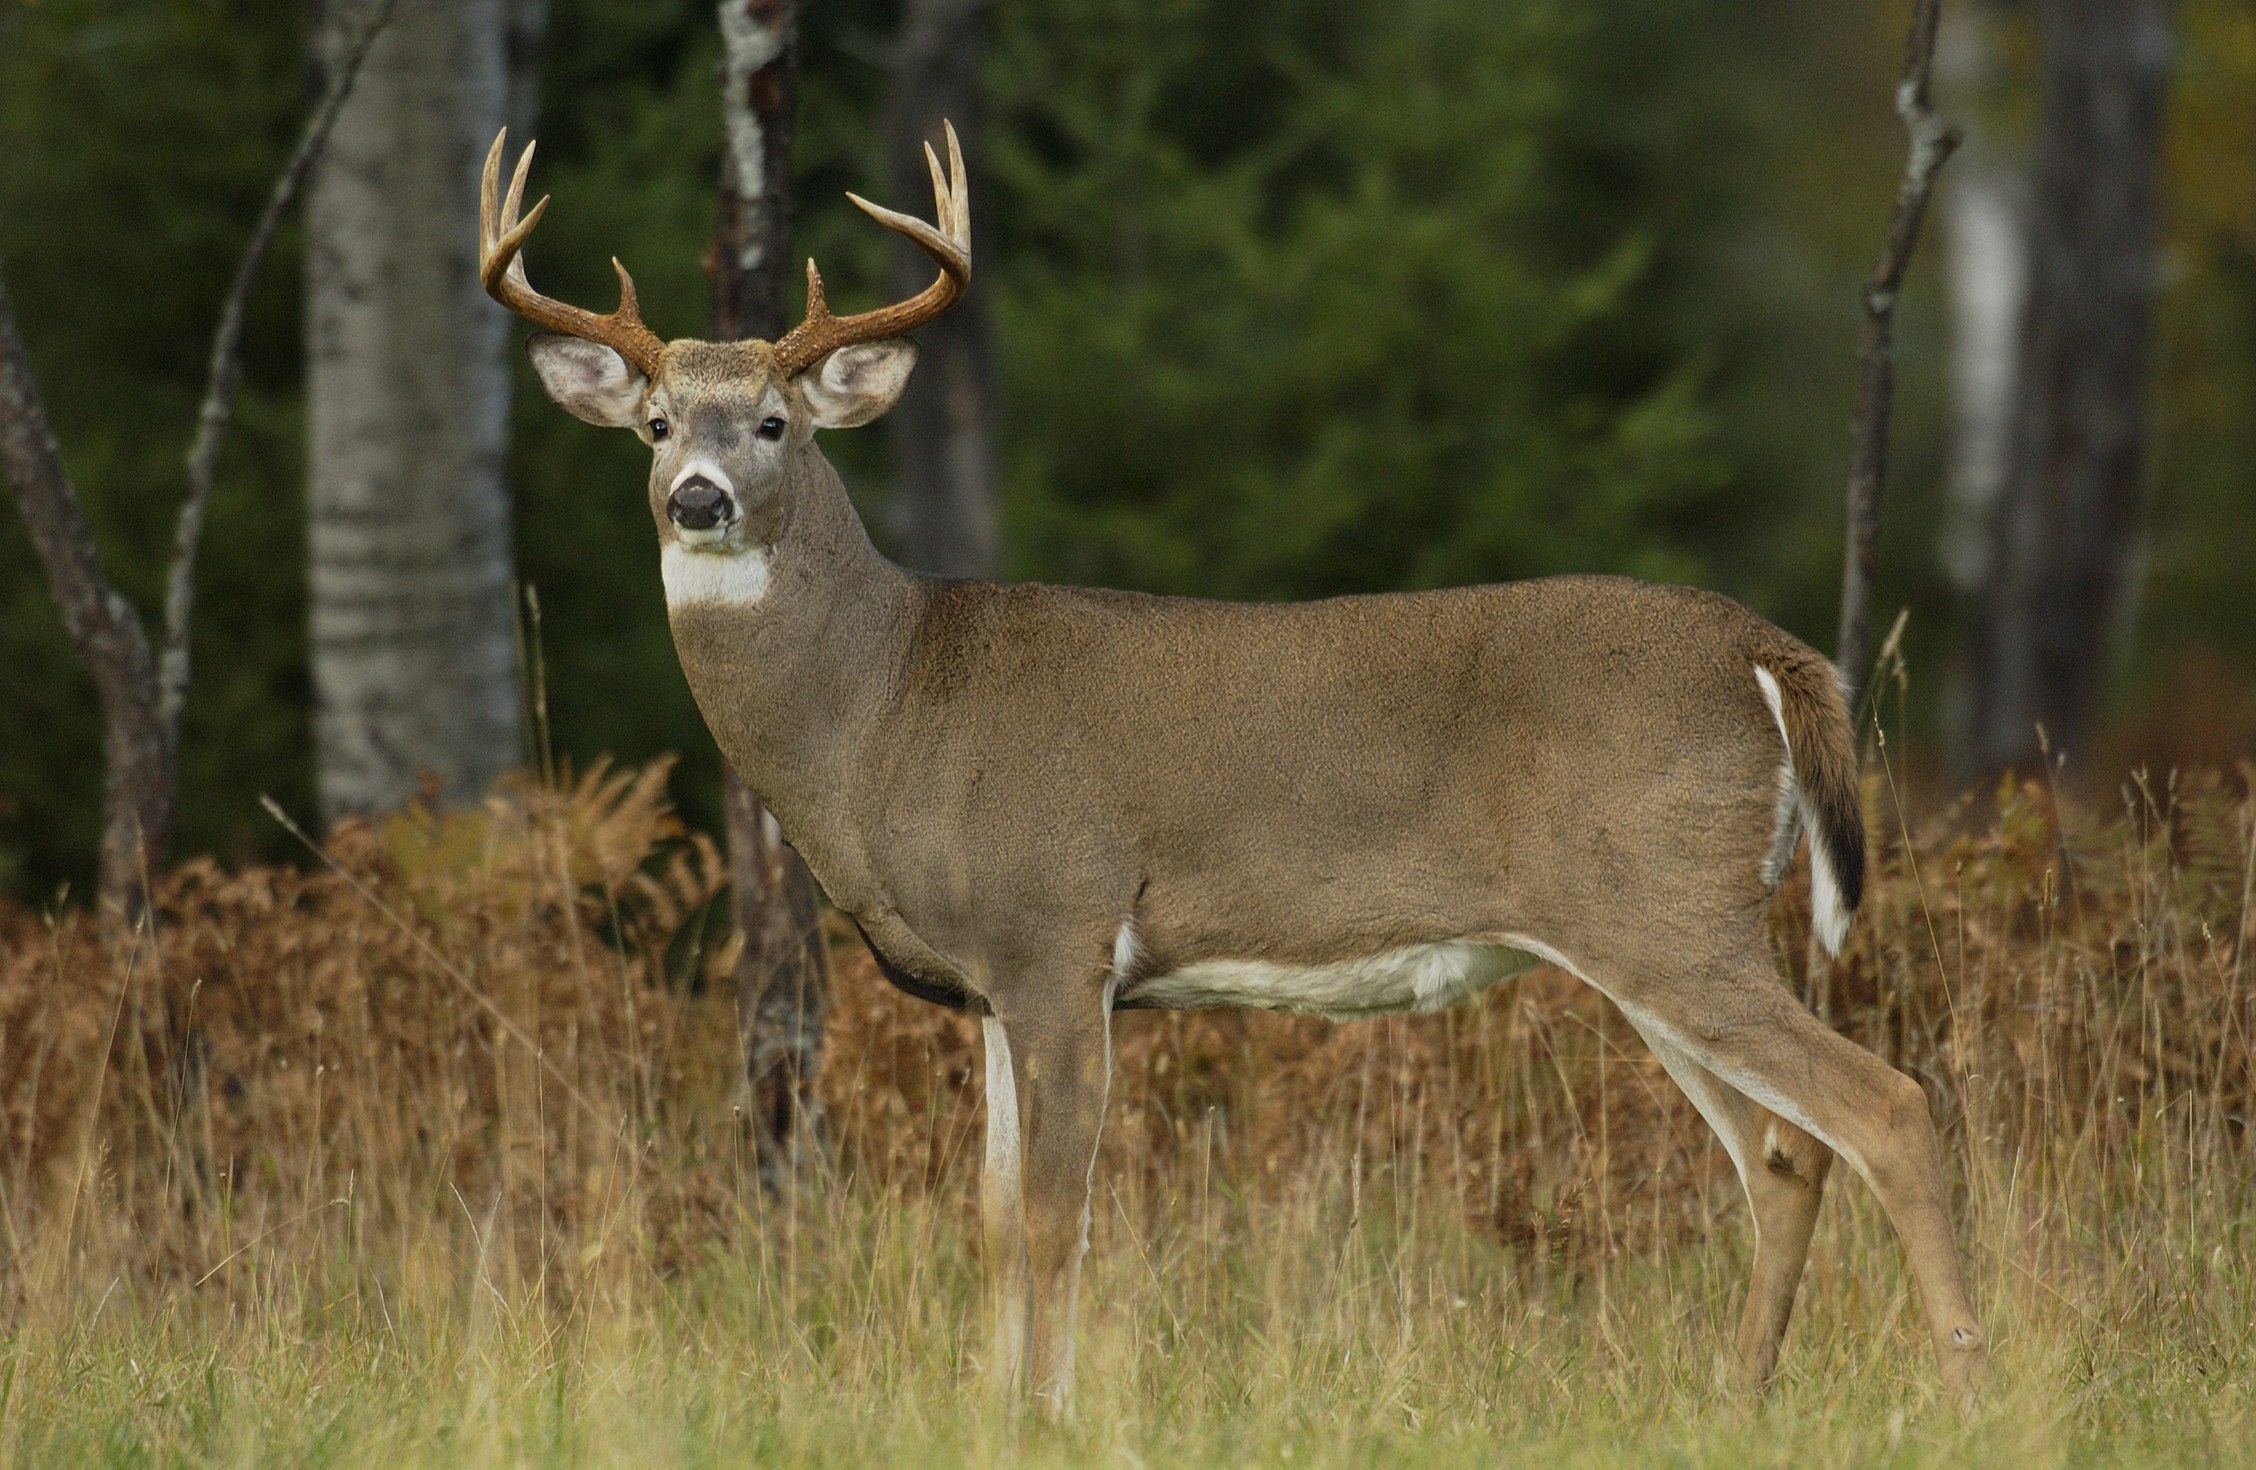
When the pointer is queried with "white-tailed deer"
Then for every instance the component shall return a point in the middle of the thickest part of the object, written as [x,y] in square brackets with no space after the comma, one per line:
[1045,804]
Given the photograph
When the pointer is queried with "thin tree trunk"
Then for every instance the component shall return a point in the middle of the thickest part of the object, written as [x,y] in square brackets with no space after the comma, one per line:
[1986,267]
[782,975]
[1931,146]
[106,631]
[525,43]
[945,513]
[414,664]
[782,991]
[2064,539]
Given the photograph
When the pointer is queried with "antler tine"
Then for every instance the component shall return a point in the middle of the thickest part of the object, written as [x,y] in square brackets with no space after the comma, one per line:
[941,198]
[955,211]
[959,198]
[509,212]
[949,245]
[489,186]
[501,269]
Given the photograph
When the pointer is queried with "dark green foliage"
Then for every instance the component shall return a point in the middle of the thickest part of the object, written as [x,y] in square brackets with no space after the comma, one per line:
[1353,350]
[1291,297]
[137,143]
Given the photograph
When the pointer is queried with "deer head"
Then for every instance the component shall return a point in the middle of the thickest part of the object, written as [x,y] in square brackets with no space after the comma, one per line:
[730,424]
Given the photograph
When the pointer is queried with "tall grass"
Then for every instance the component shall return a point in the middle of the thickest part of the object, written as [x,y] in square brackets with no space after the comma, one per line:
[426,1155]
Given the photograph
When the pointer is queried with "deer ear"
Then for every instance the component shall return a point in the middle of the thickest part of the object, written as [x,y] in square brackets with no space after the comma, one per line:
[588,380]
[855,384]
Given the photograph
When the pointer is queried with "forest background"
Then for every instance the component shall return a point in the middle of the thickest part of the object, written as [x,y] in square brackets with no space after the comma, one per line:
[438,1147]
[1289,297]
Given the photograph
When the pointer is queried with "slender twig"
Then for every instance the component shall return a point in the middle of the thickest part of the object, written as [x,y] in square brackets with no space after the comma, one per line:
[225,373]
[105,632]
[95,616]
[1932,143]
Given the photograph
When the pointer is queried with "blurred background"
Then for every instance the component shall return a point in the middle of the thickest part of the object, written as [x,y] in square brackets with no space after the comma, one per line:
[1275,298]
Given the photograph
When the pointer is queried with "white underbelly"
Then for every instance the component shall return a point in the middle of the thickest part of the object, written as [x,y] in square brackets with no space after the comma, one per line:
[1420,977]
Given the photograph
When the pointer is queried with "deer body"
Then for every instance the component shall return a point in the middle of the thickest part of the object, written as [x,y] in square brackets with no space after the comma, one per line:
[1046,804]
[1166,788]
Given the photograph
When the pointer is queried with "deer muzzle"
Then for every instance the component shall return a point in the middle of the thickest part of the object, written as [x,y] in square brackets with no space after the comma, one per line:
[697,504]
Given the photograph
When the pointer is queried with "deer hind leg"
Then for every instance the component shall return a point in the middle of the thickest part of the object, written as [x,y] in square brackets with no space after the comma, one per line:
[1782,1169]
[1002,1216]
[1736,1020]
[1062,1065]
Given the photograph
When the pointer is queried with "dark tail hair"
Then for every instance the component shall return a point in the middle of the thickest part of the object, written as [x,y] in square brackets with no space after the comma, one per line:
[1805,696]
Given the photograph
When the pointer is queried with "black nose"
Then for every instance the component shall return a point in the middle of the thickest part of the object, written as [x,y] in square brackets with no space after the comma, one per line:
[698,504]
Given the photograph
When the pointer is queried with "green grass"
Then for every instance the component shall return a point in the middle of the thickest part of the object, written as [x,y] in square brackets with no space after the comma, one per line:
[1288,1333]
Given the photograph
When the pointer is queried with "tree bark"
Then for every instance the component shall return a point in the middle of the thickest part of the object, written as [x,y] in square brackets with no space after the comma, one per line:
[525,43]
[782,975]
[1985,228]
[945,514]
[1931,146]
[782,980]
[137,794]
[2064,539]
[414,663]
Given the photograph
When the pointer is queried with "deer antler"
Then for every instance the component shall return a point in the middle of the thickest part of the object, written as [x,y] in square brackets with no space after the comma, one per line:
[949,246]
[501,235]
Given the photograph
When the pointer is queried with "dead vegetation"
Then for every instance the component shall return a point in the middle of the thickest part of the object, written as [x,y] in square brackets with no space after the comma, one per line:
[501,1031]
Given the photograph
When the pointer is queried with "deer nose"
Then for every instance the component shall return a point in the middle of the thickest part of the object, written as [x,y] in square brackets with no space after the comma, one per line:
[698,504]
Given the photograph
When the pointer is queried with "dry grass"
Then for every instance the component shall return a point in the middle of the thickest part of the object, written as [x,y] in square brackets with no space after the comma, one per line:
[426,1156]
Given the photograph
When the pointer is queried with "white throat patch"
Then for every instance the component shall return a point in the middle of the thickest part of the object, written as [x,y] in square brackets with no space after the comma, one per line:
[727,578]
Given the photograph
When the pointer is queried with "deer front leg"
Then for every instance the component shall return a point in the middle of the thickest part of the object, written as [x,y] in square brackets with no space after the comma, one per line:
[1062,1065]
[1002,1219]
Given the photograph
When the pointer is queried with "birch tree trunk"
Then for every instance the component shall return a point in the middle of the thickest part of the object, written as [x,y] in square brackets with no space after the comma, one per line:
[782,973]
[2064,542]
[945,517]
[414,664]
[1985,219]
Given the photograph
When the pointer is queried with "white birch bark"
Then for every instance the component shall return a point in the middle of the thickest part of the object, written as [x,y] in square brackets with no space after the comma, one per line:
[414,660]
[1985,208]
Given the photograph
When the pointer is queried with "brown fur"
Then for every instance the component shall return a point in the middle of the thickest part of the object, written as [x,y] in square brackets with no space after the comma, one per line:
[994,780]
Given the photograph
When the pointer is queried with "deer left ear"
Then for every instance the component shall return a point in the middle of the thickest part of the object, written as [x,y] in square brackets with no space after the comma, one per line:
[855,384]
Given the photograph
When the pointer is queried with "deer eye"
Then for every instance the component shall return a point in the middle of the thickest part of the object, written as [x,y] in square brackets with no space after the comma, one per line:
[659,428]
[771,428]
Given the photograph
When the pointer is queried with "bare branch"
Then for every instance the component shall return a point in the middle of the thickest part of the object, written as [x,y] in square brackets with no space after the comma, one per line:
[1932,143]
[104,630]
[93,612]
[141,696]
[225,373]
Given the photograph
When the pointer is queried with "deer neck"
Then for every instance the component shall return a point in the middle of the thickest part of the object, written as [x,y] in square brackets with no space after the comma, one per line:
[792,650]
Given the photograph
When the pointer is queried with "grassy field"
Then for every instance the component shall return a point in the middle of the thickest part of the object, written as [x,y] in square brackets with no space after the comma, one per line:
[426,1158]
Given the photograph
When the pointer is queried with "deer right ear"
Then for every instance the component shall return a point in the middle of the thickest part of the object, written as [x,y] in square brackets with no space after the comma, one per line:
[588,380]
